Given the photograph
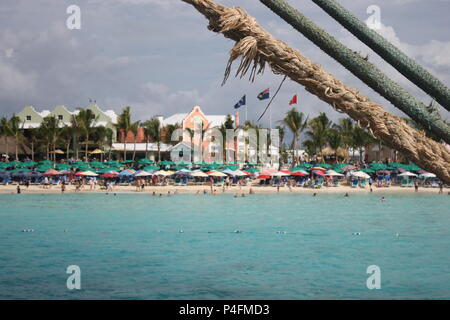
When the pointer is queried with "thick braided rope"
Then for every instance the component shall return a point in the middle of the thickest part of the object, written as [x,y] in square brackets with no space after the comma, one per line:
[256,47]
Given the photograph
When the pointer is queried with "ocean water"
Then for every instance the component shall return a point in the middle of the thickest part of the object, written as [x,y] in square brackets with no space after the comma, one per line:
[291,246]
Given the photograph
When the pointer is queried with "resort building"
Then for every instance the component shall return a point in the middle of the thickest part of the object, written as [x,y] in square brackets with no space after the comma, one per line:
[31,118]
[185,121]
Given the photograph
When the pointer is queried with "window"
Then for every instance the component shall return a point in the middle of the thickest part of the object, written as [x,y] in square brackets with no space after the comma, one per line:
[28,118]
[60,117]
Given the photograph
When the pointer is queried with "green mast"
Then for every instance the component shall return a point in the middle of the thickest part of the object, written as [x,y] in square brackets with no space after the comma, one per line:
[405,65]
[365,71]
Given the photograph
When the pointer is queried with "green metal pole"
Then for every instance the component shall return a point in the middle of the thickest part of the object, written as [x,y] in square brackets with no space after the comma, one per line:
[364,70]
[405,65]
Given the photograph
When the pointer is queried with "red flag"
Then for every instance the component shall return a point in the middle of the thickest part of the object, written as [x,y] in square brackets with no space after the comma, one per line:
[293,100]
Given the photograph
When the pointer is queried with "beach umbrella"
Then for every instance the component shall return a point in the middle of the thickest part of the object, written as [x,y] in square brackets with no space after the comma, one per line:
[360,174]
[286,171]
[87,173]
[183,163]
[333,173]
[299,174]
[66,171]
[252,170]
[96,151]
[176,168]
[52,172]
[367,170]
[199,174]
[108,175]
[162,173]
[280,174]
[427,175]
[145,161]
[128,172]
[269,172]
[407,174]
[142,173]
[30,163]
[325,165]
[319,172]
[318,168]
[216,174]
[348,167]
[263,176]
[57,151]
[151,168]
[166,163]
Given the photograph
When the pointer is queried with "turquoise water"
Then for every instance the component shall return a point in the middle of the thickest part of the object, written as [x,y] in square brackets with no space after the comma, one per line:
[129,246]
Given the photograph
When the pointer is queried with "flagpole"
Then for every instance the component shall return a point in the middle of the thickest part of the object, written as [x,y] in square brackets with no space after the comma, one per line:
[246,108]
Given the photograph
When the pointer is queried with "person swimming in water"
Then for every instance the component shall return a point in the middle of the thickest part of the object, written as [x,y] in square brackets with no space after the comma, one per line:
[346,194]
[382,199]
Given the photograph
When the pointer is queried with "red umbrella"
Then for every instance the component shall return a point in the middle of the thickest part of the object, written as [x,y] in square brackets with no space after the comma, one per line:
[286,171]
[52,172]
[247,173]
[318,172]
[108,175]
[298,173]
[264,176]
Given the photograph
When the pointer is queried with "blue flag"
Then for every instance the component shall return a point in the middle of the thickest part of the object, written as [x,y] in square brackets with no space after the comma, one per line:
[264,95]
[240,103]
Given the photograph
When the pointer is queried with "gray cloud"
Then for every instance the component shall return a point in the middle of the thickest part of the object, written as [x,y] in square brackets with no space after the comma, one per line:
[158,57]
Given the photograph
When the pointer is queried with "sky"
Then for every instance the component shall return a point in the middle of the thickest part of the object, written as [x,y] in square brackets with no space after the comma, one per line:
[158,57]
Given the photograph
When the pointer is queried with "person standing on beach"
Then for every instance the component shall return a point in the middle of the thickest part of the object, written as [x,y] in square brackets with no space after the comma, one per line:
[441,185]
[18,189]
[63,187]
[416,185]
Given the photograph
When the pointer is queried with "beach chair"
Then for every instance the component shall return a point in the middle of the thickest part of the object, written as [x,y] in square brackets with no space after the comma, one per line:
[404,183]
[363,183]
[354,183]
[335,182]
[319,184]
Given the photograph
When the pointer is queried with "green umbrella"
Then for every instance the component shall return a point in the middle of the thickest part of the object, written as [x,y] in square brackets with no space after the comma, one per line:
[367,170]
[251,170]
[165,163]
[151,168]
[183,163]
[144,161]
[324,165]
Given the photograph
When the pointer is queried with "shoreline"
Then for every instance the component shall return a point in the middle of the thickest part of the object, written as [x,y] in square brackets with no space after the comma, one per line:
[38,189]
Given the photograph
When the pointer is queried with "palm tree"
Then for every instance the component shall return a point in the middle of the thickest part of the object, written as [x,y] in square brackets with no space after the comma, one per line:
[152,132]
[15,130]
[134,128]
[318,131]
[361,139]
[49,131]
[33,138]
[67,133]
[296,122]
[334,139]
[5,132]
[86,119]
[103,135]
[123,124]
